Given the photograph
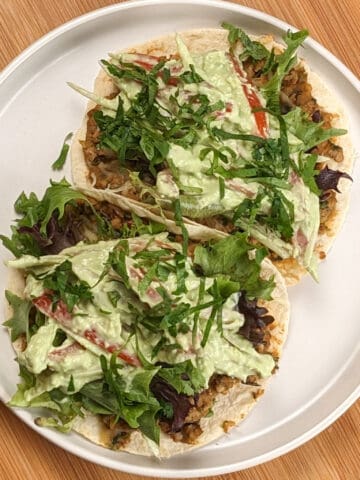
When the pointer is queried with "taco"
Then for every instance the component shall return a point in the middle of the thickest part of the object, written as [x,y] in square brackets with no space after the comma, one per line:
[138,339]
[235,133]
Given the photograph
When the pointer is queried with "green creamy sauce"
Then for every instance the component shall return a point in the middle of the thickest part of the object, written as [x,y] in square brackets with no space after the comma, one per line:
[189,177]
[78,357]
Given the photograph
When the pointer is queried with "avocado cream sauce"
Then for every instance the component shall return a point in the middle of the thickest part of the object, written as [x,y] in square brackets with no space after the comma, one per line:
[190,178]
[77,359]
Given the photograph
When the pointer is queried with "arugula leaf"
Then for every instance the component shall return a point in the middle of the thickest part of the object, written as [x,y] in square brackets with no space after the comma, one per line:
[148,424]
[50,224]
[65,407]
[253,49]
[60,162]
[35,211]
[55,199]
[19,322]
[229,258]
[309,132]
[150,227]
[37,320]
[283,63]
[174,317]
[146,129]
[100,397]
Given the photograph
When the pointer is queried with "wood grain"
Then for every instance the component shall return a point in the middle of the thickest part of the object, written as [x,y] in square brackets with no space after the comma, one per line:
[332,455]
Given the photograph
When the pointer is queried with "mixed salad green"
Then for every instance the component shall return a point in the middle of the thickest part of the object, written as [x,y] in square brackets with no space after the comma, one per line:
[123,326]
[216,144]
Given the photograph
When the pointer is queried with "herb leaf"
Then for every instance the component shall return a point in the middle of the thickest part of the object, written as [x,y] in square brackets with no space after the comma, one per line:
[283,63]
[60,162]
[184,377]
[19,322]
[66,286]
[231,255]
[180,223]
[310,133]
[253,49]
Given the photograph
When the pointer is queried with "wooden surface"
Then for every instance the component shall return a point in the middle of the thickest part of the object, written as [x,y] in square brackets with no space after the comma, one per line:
[332,455]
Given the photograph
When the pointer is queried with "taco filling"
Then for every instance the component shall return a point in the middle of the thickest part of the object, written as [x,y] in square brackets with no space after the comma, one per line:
[122,324]
[234,137]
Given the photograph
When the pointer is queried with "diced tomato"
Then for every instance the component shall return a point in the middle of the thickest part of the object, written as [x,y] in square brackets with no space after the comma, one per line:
[60,313]
[253,100]
[127,357]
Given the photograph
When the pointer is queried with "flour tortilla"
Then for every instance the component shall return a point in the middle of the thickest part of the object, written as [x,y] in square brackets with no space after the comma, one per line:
[231,407]
[203,40]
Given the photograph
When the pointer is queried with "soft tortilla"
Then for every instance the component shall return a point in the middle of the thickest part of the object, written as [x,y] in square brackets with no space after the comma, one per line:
[215,39]
[231,407]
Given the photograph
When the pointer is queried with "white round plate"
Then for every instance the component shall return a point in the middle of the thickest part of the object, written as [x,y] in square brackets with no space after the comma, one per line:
[319,373]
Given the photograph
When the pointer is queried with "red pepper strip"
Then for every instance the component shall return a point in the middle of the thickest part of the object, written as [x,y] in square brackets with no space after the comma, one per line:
[93,337]
[253,99]
[145,65]
[44,303]
[148,62]
[60,353]
[173,81]
[62,315]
